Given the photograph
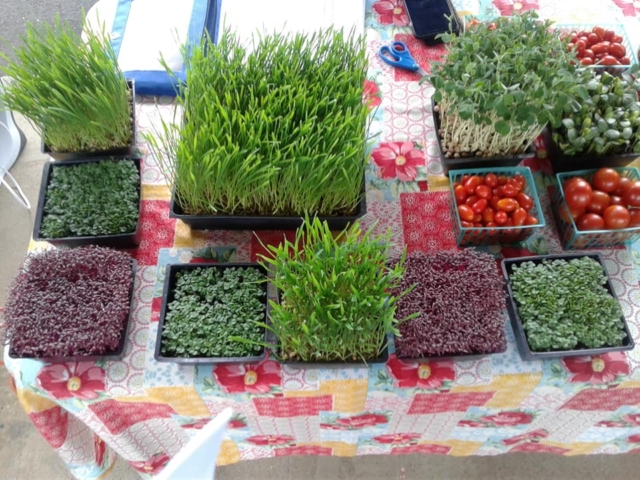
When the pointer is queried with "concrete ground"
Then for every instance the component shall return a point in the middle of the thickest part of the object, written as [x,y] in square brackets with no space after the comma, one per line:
[24,454]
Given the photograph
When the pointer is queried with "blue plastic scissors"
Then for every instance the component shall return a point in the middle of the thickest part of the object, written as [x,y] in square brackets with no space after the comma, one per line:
[397,55]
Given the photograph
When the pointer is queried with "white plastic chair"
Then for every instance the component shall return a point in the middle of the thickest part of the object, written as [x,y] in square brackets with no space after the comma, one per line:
[12,141]
[197,461]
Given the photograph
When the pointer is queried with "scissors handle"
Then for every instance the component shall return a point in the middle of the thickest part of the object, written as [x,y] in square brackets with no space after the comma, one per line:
[397,55]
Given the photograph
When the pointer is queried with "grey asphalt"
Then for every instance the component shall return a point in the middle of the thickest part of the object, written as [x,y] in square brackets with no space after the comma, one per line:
[24,455]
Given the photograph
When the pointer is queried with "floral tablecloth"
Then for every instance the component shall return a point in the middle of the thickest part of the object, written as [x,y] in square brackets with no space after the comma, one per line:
[146,412]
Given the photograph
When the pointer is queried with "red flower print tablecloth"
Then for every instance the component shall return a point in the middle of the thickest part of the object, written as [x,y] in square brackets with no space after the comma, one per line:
[145,412]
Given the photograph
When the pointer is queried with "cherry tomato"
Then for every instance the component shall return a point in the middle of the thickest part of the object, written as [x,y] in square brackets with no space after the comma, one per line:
[491,224]
[588,53]
[617,50]
[464,179]
[507,205]
[479,206]
[494,201]
[602,47]
[471,184]
[466,224]
[581,44]
[471,200]
[477,218]
[519,217]
[609,60]
[509,190]
[599,31]
[460,194]
[477,225]
[606,180]
[635,217]
[517,184]
[578,194]
[466,213]
[625,61]
[502,180]
[509,223]
[632,195]
[617,200]
[488,215]
[571,46]
[500,217]
[586,61]
[491,180]
[608,35]
[617,39]
[525,201]
[483,191]
[590,221]
[593,39]
[531,220]
[625,183]
[616,216]
[599,202]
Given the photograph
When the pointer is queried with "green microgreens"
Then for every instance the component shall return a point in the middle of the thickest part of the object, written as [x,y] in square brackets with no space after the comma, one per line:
[335,302]
[97,198]
[564,305]
[276,130]
[70,89]
[501,83]
[210,306]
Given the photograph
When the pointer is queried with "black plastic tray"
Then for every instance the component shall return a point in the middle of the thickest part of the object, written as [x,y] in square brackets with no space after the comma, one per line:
[120,240]
[521,339]
[114,152]
[246,222]
[562,163]
[462,357]
[167,297]
[475,162]
[114,356]
[382,358]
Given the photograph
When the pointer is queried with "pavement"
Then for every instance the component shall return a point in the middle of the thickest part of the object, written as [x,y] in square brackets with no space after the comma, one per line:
[25,455]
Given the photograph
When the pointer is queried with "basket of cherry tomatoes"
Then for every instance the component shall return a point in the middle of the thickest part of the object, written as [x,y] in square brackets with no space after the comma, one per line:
[494,205]
[607,47]
[597,208]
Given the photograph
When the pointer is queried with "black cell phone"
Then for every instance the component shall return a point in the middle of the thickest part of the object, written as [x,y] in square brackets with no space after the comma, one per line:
[432,17]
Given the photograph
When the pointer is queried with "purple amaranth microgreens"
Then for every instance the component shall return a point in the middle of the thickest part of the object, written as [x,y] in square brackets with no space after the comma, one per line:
[461,302]
[68,302]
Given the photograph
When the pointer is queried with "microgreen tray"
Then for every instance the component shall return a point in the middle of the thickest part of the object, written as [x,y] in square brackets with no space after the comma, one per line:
[475,162]
[521,338]
[569,234]
[382,358]
[168,296]
[563,163]
[495,235]
[114,152]
[619,29]
[120,240]
[253,222]
[116,355]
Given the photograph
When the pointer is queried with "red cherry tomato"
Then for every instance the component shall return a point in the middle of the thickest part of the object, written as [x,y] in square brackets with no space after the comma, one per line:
[590,221]
[502,180]
[494,201]
[525,201]
[617,39]
[606,180]
[635,217]
[592,39]
[465,224]
[471,184]
[471,200]
[479,206]
[488,215]
[625,61]
[625,183]
[599,31]
[609,60]
[599,202]
[509,190]
[617,200]
[578,194]
[477,225]
[581,44]
[632,195]
[616,217]
[519,217]
[491,224]
[483,191]
[507,204]
[531,220]
[460,194]
[464,179]
[608,35]
[500,217]
[491,180]
[576,213]
[586,61]
[617,50]
[602,47]
[466,213]
[477,218]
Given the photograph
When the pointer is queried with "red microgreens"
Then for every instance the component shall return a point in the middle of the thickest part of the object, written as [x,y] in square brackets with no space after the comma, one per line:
[68,302]
[461,299]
